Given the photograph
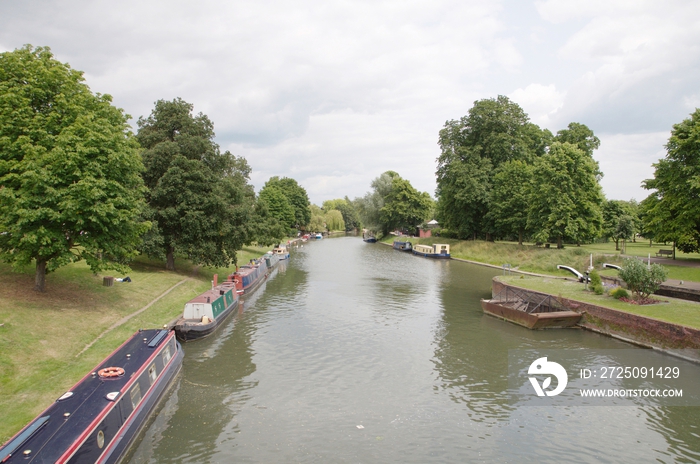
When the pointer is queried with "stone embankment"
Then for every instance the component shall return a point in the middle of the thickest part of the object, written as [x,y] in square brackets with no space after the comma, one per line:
[640,330]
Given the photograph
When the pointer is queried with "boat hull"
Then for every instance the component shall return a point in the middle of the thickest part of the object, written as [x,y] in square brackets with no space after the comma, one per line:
[545,320]
[432,255]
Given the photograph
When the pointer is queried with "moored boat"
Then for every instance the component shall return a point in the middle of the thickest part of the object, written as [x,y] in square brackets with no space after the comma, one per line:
[438,250]
[247,278]
[281,251]
[99,418]
[403,246]
[204,313]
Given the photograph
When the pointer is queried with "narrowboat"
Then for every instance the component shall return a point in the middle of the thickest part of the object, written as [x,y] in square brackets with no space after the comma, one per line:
[204,313]
[403,246]
[100,417]
[438,250]
[318,236]
[271,259]
[281,251]
[247,278]
[369,238]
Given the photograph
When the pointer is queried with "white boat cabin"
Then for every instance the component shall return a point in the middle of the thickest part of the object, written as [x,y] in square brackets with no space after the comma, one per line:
[435,249]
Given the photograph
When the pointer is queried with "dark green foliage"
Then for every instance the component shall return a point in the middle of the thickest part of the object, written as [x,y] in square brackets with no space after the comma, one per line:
[288,202]
[640,279]
[510,198]
[579,135]
[566,199]
[347,209]
[394,204]
[598,289]
[70,185]
[672,211]
[199,199]
[495,131]
[595,278]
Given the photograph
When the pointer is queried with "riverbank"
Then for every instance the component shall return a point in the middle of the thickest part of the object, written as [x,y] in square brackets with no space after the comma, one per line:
[49,341]
[532,259]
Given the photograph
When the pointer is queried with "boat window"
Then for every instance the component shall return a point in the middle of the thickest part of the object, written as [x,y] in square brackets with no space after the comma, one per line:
[152,374]
[100,439]
[135,395]
[166,355]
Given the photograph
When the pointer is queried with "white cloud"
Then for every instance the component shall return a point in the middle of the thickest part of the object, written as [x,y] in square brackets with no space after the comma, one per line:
[626,160]
[541,102]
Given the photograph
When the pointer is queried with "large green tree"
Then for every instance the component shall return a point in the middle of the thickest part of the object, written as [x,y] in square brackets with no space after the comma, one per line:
[347,209]
[199,199]
[404,206]
[70,185]
[393,204]
[566,198]
[278,204]
[296,197]
[672,211]
[472,149]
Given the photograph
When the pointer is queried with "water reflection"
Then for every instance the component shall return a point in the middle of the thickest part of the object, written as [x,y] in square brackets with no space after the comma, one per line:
[360,353]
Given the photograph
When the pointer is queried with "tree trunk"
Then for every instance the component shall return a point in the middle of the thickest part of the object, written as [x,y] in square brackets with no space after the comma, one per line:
[40,276]
[560,243]
[520,237]
[674,249]
[170,259]
[649,243]
[617,244]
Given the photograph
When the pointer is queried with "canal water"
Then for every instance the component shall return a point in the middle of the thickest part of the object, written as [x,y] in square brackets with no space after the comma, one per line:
[356,353]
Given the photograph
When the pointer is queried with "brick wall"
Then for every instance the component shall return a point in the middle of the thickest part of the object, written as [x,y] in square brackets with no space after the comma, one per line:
[638,329]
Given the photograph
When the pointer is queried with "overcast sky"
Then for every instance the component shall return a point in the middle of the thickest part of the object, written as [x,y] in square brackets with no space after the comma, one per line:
[333,93]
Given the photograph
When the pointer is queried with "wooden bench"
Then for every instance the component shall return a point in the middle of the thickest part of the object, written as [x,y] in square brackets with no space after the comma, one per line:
[662,253]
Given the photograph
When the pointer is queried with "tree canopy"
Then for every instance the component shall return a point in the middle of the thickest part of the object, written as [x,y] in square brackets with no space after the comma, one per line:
[566,198]
[288,202]
[672,210]
[199,199]
[473,148]
[499,175]
[393,204]
[70,184]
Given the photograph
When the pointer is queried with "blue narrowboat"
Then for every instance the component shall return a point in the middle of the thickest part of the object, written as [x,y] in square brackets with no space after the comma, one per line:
[100,417]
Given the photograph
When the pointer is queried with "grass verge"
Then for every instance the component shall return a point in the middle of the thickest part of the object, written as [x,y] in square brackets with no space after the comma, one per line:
[542,260]
[42,334]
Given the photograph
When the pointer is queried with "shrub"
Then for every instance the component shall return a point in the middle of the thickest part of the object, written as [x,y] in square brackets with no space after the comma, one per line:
[595,279]
[619,292]
[598,288]
[642,281]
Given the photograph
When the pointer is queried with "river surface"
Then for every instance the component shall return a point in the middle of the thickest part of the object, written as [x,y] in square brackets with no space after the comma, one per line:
[357,353]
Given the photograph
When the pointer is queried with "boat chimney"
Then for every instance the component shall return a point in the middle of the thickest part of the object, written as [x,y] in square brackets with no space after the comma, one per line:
[216,280]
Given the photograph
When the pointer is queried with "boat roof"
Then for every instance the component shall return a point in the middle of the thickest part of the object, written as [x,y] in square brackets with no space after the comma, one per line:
[71,417]
[213,294]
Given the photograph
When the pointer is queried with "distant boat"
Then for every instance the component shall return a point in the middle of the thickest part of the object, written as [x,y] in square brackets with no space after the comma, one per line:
[438,250]
[370,239]
[403,246]
[319,236]
[98,419]
[281,251]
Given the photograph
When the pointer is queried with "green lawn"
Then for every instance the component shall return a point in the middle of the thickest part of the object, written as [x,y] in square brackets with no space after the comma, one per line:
[676,311]
[41,335]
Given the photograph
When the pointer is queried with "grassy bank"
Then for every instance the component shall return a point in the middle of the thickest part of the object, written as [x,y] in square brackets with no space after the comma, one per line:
[43,336]
[681,312]
[531,258]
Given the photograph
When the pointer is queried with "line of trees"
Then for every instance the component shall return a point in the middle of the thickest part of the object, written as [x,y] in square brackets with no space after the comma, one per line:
[77,184]
[501,176]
